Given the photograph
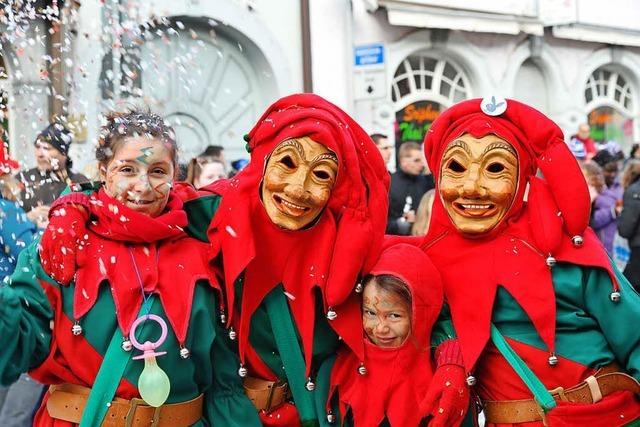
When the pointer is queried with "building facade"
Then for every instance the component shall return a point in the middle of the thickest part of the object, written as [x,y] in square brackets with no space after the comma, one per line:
[211,67]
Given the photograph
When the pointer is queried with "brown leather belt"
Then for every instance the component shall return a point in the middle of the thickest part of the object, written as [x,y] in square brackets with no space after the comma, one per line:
[604,382]
[67,401]
[266,395]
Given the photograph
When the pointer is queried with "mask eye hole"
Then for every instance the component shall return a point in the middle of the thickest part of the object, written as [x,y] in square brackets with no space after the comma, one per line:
[495,167]
[321,175]
[456,167]
[288,162]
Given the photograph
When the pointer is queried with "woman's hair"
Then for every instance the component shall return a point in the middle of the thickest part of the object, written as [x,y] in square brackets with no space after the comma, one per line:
[9,187]
[196,165]
[631,173]
[391,284]
[594,175]
[133,123]
[634,148]
[423,214]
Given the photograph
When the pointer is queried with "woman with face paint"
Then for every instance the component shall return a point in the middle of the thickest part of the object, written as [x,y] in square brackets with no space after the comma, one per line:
[291,234]
[400,303]
[535,301]
[135,338]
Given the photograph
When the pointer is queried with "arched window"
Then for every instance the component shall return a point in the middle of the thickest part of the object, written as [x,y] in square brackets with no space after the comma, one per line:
[422,87]
[609,98]
[431,77]
[607,86]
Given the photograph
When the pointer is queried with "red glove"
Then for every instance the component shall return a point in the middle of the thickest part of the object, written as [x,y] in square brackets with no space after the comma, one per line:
[447,399]
[63,236]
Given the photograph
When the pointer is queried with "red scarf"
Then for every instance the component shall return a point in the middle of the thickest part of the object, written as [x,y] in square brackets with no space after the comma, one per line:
[397,379]
[513,255]
[124,247]
[333,252]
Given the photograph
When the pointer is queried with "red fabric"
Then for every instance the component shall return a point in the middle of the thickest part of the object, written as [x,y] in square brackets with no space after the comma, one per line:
[61,365]
[514,253]
[122,244]
[589,145]
[332,252]
[397,379]
[449,353]
[448,397]
[7,164]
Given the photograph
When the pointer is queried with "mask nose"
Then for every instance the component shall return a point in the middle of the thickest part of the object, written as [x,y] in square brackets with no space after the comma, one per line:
[472,187]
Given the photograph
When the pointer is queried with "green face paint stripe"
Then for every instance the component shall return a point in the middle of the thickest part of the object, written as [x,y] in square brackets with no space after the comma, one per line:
[146,153]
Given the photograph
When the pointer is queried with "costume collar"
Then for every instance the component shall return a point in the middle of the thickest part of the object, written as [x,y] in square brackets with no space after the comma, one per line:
[137,254]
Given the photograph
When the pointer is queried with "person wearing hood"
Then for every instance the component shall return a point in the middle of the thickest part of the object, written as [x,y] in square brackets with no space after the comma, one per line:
[290,235]
[543,319]
[400,304]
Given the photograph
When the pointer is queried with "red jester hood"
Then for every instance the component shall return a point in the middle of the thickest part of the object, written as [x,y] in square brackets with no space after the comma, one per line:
[330,254]
[397,379]
[547,222]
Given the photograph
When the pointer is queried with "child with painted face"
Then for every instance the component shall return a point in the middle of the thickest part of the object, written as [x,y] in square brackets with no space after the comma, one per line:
[400,303]
[145,346]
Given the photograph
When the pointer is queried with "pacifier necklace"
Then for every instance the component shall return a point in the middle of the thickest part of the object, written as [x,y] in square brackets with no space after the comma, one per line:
[153,383]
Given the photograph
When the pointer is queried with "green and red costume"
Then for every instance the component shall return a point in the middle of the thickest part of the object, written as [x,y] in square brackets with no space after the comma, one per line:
[396,379]
[124,259]
[541,276]
[317,267]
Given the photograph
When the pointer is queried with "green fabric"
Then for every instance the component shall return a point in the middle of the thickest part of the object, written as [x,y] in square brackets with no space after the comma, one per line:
[25,315]
[590,328]
[109,375]
[539,391]
[443,328]
[211,369]
[289,348]
[200,211]
[323,384]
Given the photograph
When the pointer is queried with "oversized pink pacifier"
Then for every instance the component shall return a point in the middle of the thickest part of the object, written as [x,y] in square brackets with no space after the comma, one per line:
[153,384]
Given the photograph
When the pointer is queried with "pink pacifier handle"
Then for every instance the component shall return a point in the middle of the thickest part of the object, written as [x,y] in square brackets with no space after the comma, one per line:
[148,347]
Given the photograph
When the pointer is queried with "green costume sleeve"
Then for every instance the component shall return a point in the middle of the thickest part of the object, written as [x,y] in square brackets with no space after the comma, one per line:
[227,405]
[25,316]
[618,321]
[200,212]
[443,328]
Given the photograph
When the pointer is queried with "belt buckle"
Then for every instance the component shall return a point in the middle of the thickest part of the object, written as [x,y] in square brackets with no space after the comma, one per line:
[560,392]
[133,405]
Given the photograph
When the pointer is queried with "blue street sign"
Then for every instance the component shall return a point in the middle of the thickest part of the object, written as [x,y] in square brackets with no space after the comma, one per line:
[372,54]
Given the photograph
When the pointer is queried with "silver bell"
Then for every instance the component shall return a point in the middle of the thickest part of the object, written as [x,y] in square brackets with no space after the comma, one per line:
[551,261]
[310,385]
[331,314]
[223,317]
[232,334]
[471,380]
[359,288]
[242,371]
[553,359]
[331,418]
[126,345]
[615,296]
[362,370]
[76,329]
[184,352]
[577,241]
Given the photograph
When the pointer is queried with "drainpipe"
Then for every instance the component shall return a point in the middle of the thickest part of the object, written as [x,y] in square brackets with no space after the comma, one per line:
[305,26]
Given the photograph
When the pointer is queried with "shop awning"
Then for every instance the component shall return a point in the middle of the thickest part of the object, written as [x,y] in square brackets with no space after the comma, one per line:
[414,14]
